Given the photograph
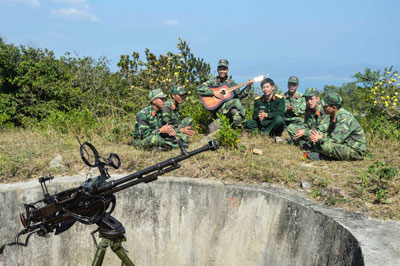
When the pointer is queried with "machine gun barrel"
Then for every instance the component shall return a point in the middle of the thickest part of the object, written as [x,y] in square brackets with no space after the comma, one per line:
[151,173]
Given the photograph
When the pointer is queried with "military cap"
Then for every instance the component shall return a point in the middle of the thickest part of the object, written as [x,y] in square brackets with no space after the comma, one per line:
[311,92]
[293,79]
[178,90]
[157,93]
[333,99]
[223,62]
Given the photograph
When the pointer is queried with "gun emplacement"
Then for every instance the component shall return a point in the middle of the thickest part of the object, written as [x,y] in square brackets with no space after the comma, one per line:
[93,201]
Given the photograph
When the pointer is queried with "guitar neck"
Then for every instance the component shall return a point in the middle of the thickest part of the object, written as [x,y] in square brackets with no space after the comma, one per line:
[238,86]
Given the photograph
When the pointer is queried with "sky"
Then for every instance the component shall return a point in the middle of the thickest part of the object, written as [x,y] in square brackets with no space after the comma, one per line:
[321,42]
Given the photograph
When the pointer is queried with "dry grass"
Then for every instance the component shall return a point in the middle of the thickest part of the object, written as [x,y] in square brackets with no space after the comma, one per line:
[26,154]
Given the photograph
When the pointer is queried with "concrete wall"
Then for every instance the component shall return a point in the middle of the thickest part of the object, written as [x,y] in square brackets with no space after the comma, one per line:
[181,221]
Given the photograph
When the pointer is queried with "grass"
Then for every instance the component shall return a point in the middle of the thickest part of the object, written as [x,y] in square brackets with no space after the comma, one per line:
[370,186]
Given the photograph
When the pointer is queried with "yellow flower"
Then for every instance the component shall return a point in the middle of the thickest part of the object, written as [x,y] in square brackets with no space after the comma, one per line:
[180,54]
[156,63]
[180,59]
[396,93]
[381,83]
[387,97]
[394,80]
[389,81]
[132,86]
[376,83]
[383,98]
[374,93]
[395,74]
[164,68]
[179,67]
[374,101]
[376,87]
[394,104]
[388,72]
[386,104]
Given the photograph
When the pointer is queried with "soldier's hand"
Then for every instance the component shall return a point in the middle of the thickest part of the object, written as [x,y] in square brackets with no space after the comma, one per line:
[218,95]
[289,108]
[262,115]
[168,129]
[187,131]
[315,136]
[299,134]
[251,83]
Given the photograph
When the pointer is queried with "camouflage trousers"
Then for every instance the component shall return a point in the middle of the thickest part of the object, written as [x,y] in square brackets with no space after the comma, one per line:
[303,141]
[273,127]
[162,141]
[186,122]
[294,121]
[234,111]
[338,151]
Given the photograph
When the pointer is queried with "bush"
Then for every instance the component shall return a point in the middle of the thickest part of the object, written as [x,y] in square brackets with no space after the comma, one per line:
[226,135]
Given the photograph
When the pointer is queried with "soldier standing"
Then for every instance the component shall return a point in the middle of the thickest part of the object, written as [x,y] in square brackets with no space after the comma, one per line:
[171,116]
[314,114]
[268,112]
[149,130]
[295,104]
[233,109]
[343,138]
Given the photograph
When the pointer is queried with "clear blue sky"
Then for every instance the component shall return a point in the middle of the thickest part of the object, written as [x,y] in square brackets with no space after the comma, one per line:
[321,42]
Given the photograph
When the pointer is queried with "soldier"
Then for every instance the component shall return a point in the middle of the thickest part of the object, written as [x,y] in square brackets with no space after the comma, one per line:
[300,133]
[295,104]
[268,112]
[170,113]
[233,109]
[149,129]
[343,138]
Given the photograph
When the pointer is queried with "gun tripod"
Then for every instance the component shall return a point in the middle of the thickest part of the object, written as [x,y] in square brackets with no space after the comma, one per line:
[112,232]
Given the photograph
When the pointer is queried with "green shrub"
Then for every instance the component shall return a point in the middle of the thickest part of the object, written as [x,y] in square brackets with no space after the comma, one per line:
[226,135]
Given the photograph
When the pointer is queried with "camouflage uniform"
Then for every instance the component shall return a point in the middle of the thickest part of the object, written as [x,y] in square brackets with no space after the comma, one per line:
[233,109]
[299,105]
[344,138]
[274,124]
[147,127]
[311,121]
[170,114]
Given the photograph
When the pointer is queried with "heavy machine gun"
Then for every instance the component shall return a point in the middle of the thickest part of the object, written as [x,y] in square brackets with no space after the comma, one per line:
[93,201]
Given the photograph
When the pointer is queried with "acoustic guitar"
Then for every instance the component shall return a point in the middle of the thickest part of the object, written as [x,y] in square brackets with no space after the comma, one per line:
[211,102]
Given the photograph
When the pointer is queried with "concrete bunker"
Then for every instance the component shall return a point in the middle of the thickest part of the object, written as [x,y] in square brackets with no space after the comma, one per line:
[183,221]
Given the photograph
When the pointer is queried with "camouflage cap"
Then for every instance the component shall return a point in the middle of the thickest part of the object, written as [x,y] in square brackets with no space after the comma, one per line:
[333,99]
[178,90]
[224,63]
[293,79]
[157,93]
[311,92]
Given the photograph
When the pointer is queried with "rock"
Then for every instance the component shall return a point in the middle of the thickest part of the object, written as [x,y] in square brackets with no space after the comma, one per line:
[56,162]
[305,184]
[213,126]
[258,151]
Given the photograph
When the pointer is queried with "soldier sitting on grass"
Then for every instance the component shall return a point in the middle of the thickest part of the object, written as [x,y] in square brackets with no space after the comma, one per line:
[295,104]
[268,112]
[314,114]
[343,137]
[150,132]
[171,116]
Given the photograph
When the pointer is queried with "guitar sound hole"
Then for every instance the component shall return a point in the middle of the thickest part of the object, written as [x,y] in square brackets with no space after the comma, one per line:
[223,92]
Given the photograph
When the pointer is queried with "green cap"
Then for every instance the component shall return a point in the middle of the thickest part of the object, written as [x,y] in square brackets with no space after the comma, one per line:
[293,79]
[178,90]
[333,99]
[157,93]
[224,63]
[311,92]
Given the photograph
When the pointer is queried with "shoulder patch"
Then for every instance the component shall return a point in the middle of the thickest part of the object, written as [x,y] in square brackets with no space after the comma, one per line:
[279,96]
[259,97]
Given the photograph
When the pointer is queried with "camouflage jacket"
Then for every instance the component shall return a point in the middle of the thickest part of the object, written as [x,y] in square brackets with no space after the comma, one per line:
[344,129]
[204,89]
[148,123]
[298,102]
[313,119]
[170,114]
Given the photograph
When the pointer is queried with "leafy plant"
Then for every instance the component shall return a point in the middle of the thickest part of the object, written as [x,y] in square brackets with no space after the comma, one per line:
[227,136]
